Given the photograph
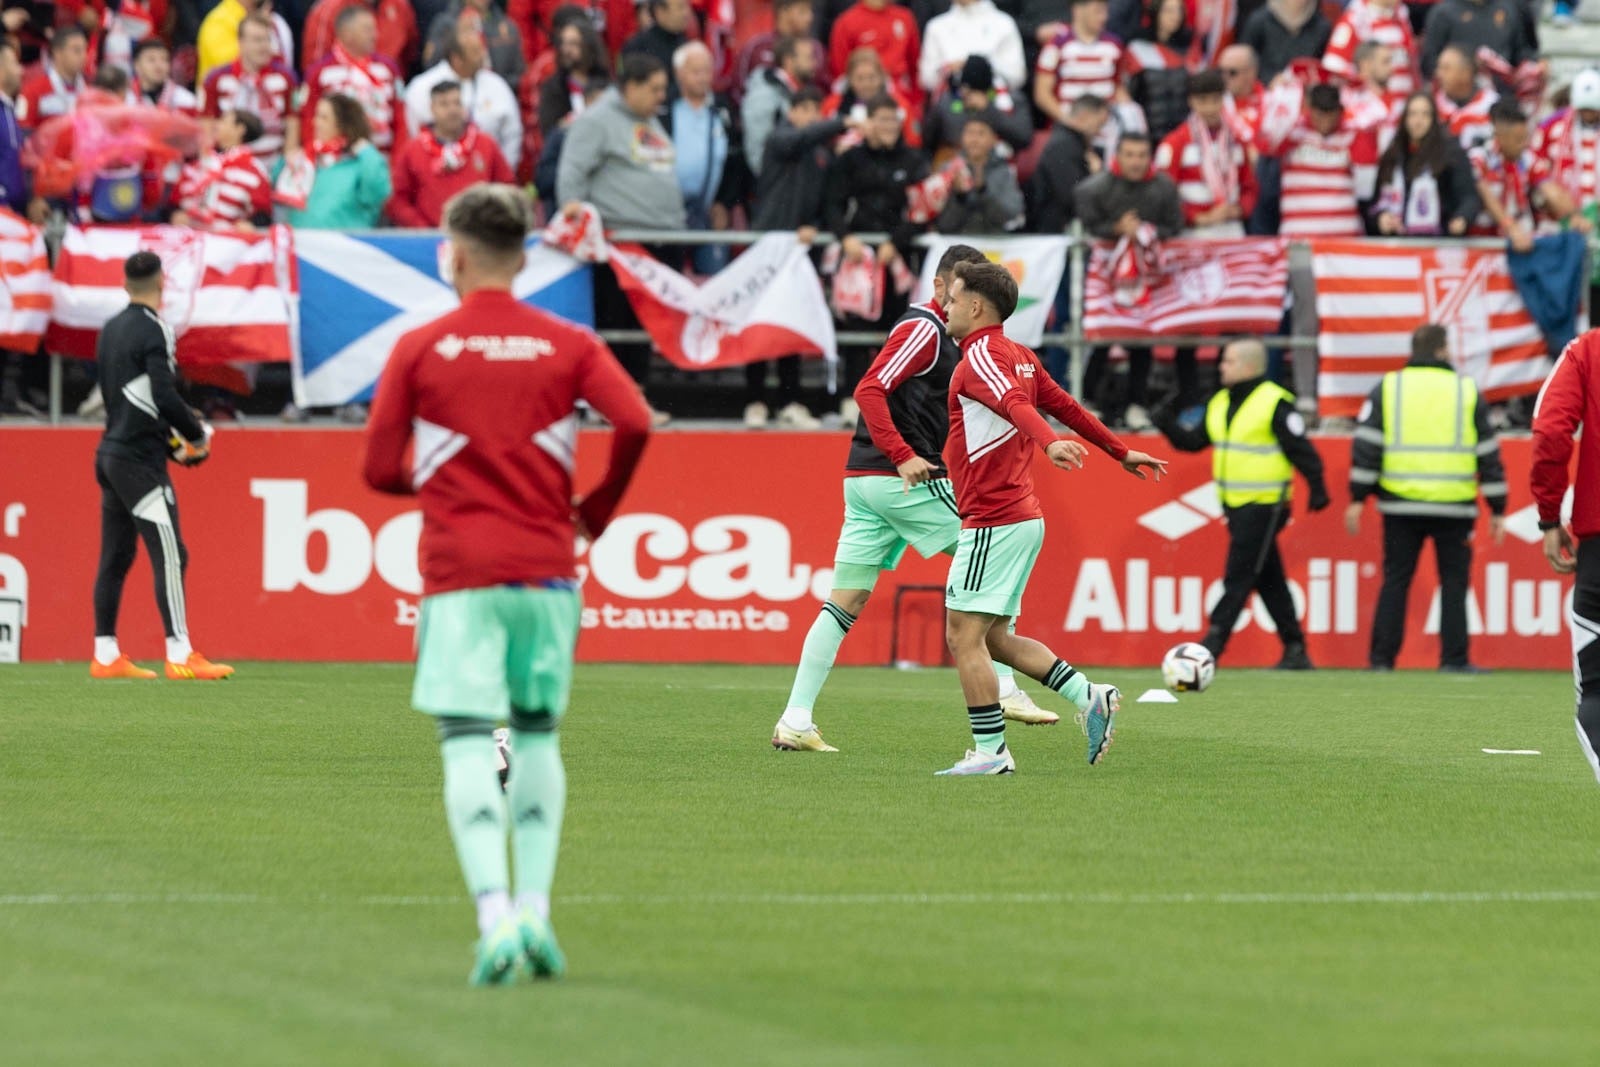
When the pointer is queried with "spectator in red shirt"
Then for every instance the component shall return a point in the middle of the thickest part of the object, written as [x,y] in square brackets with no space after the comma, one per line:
[353,67]
[53,89]
[395,35]
[446,157]
[229,189]
[889,30]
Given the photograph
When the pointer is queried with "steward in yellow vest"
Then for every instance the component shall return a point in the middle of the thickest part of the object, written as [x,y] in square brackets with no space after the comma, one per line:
[1424,445]
[1257,442]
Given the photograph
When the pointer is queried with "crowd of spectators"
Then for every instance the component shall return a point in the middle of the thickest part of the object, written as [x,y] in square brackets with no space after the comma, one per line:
[1142,122]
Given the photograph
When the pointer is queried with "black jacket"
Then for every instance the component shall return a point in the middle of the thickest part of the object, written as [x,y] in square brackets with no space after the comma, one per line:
[1287,426]
[794,173]
[1106,197]
[139,383]
[1458,190]
[1062,167]
[1502,26]
[1163,93]
[1277,45]
[942,125]
[657,42]
[920,408]
[866,192]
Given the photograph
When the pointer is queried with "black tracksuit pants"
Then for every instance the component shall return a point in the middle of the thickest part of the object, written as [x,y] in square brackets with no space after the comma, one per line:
[1403,537]
[1585,622]
[137,503]
[1254,565]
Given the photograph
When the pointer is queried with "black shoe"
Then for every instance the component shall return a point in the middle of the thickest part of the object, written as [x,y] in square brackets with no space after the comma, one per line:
[1381,668]
[1463,668]
[1295,658]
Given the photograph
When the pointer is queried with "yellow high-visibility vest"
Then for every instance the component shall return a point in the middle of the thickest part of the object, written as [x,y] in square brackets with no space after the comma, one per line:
[1246,462]
[1430,436]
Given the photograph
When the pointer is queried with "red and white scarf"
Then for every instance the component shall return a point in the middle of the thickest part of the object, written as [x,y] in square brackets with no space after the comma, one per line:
[448,158]
[1218,168]
[1134,266]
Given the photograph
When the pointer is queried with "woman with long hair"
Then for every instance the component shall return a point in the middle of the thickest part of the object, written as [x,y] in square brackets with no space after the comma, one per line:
[1425,184]
[580,58]
[338,180]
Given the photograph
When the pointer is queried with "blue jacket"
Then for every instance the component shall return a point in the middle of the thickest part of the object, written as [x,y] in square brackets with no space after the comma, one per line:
[1550,281]
[13,183]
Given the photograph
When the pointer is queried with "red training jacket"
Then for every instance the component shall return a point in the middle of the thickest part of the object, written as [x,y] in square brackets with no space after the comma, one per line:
[1570,398]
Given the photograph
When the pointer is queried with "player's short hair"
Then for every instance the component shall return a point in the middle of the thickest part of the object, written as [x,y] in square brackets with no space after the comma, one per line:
[1206,83]
[882,102]
[449,85]
[150,44]
[957,254]
[637,67]
[786,49]
[1464,52]
[1507,112]
[251,122]
[142,271]
[1324,97]
[113,79]
[492,219]
[1429,341]
[1366,50]
[64,34]
[254,19]
[1134,137]
[342,21]
[992,282]
[808,94]
[1089,103]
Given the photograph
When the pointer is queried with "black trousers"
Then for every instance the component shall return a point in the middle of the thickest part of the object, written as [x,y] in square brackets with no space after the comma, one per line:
[1403,537]
[1254,566]
[137,503]
[755,382]
[1140,360]
[1585,622]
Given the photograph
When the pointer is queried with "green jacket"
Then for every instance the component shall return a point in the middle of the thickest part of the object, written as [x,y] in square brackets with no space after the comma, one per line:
[349,195]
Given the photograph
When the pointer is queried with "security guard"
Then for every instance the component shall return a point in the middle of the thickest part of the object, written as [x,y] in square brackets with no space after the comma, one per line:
[1423,443]
[1258,441]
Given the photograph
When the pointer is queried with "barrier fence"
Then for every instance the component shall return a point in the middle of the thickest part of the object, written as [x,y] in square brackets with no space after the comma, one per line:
[1069,336]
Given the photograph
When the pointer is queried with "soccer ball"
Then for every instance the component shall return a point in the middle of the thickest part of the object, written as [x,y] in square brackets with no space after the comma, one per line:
[1188,667]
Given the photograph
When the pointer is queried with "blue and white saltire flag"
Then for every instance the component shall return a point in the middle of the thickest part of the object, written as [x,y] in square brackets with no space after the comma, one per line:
[360,293]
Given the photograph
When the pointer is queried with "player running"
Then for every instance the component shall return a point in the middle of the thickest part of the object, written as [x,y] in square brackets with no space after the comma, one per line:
[486,397]
[993,396]
[896,493]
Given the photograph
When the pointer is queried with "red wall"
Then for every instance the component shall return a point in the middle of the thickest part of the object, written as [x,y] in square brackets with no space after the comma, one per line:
[720,553]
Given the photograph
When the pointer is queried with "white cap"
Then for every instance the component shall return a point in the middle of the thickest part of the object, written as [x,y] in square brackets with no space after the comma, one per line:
[1586,90]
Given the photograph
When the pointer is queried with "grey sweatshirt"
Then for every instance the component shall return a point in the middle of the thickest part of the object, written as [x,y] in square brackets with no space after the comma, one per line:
[623,165]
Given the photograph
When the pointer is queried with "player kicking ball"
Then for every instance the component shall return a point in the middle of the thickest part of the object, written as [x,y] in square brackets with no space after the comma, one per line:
[896,494]
[486,397]
[996,395]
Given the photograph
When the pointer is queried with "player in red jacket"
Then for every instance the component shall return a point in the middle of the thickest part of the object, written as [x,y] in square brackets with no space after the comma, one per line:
[1569,400]
[996,394]
[476,415]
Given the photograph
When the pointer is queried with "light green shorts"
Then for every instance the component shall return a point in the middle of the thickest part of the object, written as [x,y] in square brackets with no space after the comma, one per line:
[482,652]
[991,568]
[881,518]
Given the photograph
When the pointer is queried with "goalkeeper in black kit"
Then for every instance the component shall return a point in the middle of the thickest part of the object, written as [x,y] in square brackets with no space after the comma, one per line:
[147,423]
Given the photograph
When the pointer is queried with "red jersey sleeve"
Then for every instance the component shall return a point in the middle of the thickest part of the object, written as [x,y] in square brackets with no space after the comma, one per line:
[1056,401]
[1555,420]
[608,389]
[911,349]
[996,389]
[389,422]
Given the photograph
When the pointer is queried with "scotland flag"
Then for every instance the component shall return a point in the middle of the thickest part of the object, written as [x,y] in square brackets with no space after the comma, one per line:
[359,293]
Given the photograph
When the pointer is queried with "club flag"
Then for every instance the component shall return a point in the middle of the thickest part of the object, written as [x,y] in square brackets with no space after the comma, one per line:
[1371,297]
[363,290]
[1037,263]
[229,298]
[25,297]
[1205,288]
[767,303]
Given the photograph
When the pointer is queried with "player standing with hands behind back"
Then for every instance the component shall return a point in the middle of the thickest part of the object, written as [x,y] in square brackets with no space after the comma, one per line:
[146,420]
[996,394]
[486,396]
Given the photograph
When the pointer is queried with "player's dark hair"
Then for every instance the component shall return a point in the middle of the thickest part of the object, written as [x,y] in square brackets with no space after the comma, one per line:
[1429,341]
[253,127]
[141,270]
[449,85]
[992,282]
[1465,53]
[1324,97]
[8,41]
[808,94]
[1506,111]
[492,217]
[66,33]
[637,67]
[1089,103]
[1135,137]
[1206,83]
[150,44]
[113,79]
[957,254]
[786,49]
[882,102]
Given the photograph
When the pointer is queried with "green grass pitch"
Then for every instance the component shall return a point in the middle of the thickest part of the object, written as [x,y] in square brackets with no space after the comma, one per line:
[1288,869]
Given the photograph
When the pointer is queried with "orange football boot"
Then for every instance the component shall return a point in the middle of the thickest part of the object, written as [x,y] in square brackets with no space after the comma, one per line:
[197,668]
[121,667]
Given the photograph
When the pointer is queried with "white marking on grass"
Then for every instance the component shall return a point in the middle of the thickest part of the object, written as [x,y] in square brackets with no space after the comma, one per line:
[1511,752]
[1406,897]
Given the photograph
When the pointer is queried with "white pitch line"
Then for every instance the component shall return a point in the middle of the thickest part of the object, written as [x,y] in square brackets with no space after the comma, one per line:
[1555,896]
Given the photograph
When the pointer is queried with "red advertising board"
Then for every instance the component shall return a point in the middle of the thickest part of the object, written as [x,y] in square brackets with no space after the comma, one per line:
[720,554]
